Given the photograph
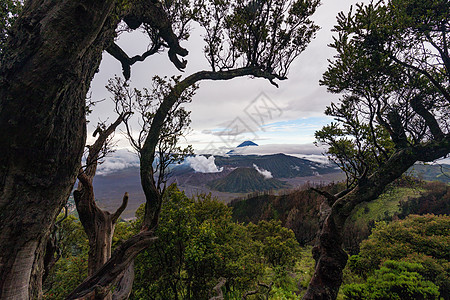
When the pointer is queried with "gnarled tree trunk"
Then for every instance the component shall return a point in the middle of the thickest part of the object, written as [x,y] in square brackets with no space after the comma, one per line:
[48,63]
[99,226]
[97,223]
[328,253]
[53,52]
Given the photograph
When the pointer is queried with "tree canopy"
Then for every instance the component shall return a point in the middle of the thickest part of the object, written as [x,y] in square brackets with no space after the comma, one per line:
[417,244]
[392,65]
[392,72]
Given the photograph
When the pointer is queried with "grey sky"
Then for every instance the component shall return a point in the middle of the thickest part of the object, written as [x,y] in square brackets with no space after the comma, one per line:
[216,104]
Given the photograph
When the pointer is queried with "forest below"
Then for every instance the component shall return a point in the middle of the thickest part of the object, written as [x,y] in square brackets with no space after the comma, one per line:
[398,244]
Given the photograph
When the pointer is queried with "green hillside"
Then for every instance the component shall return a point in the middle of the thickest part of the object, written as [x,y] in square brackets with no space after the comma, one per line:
[300,210]
[245,180]
[431,172]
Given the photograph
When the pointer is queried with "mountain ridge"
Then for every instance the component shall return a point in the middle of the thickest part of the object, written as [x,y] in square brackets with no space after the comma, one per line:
[246,180]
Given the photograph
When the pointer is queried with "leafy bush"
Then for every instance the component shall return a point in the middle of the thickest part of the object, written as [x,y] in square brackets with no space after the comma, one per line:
[434,200]
[394,280]
[198,242]
[423,240]
[71,268]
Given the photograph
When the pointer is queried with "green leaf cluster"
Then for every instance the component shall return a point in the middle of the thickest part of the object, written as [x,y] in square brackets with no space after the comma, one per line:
[421,240]
[394,280]
[267,34]
[198,243]
[71,268]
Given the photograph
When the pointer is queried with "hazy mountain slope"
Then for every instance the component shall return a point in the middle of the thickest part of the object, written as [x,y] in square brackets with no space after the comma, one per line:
[245,180]
[280,165]
[109,190]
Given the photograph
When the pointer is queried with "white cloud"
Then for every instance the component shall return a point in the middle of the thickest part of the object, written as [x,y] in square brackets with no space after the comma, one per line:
[267,174]
[290,149]
[120,159]
[202,164]
[322,159]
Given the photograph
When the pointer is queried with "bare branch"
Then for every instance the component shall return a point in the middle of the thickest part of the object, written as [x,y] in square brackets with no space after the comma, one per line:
[120,210]
[153,14]
[126,61]
[442,51]
[218,289]
[330,198]
[426,73]
[430,120]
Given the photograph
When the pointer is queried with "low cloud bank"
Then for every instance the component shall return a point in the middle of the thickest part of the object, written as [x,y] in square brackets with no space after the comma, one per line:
[322,159]
[203,164]
[290,149]
[267,174]
[118,160]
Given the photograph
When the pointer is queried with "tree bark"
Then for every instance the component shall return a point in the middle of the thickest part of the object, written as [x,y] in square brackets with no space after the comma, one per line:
[125,284]
[328,253]
[119,262]
[99,226]
[49,61]
[47,64]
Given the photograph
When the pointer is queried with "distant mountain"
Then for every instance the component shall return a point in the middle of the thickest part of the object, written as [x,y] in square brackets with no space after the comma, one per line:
[247,143]
[241,145]
[245,180]
[109,189]
[280,165]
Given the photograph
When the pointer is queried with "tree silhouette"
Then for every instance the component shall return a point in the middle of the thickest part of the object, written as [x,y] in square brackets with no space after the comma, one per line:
[392,67]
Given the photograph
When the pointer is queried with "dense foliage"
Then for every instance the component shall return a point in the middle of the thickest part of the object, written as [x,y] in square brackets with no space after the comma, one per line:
[301,210]
[394,280]
[436,200]
[198,243]
[71,268]
[382,264]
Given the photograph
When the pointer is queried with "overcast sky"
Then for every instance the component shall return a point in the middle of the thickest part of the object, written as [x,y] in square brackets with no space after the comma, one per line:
[228,112]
